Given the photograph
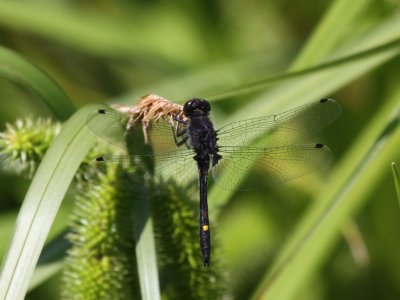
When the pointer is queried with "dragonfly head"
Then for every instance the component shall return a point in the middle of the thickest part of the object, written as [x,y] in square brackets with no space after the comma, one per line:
[196,106]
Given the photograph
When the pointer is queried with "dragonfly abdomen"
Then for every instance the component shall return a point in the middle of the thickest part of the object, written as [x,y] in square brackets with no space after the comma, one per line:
[204,234]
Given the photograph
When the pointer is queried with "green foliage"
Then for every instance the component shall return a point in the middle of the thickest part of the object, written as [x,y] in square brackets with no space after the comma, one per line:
[24,143]
[253,58]
[175,222]
[51,180]
[100,263]
[22,72]
[396,177]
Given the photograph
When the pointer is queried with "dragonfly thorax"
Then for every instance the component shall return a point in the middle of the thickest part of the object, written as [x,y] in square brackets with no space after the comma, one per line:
[203,138]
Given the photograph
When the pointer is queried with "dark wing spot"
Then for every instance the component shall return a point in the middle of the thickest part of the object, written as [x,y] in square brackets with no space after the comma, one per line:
[102,111]
[323,100]
[100,158]
[319,145]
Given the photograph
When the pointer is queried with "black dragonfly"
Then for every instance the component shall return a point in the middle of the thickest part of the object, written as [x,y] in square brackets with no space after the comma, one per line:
[190,147]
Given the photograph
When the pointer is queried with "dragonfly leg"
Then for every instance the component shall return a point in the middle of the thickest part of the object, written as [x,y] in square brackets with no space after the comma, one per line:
[180,131]
[182,141]
[175,118]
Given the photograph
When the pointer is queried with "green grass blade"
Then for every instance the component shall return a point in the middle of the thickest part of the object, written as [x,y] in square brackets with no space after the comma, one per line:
[375,43]
[332,66]
[334,26]
[378,46]
[15,68]
[6,225]
[145,248]
[100,35]
[396,177]
[44,273]
[343,196]
[50,260]
[41,203]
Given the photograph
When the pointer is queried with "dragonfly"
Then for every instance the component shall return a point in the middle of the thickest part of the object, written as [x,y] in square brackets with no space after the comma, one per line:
[186,146]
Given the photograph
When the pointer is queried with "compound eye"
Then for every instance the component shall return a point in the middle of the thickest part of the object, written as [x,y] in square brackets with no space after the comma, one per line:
[205,106]
[188,107]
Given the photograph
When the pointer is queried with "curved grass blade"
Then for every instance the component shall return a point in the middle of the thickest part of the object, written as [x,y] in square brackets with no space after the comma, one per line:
[396,176]
[6,225]
[50,261]
[41,203]
[15,68]
[145,248]
[335,65]
[335,24]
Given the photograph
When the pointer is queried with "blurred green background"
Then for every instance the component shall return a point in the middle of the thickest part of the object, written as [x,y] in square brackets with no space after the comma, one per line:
[101,51]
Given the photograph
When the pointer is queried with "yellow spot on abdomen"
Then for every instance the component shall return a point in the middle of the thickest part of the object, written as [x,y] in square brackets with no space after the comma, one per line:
[205,227]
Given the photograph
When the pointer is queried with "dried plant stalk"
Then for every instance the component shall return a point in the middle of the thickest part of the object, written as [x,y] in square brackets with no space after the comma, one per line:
[149,109]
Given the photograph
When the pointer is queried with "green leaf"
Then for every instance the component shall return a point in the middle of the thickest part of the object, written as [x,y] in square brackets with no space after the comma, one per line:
[50,261]
[15,68]
[384,51]
[183,275]
[41,203]
[100,35]
[100,263]
[145,248]
[6,226]
[396,177]
[337,22]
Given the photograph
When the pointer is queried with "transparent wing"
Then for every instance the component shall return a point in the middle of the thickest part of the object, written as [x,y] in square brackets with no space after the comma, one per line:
[178,166]
[282,129]
[109,125]
[280,164]
[164,136]
[116,128]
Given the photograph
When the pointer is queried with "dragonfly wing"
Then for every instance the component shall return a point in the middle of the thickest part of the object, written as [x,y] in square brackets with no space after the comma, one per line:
[120,129]
[131,169]
[122,172]
[281,129]
[164,136]
[109,125]
[178,166]
[279,164]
